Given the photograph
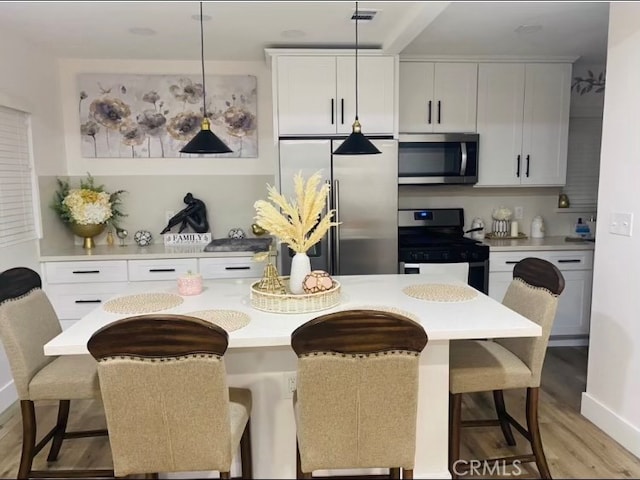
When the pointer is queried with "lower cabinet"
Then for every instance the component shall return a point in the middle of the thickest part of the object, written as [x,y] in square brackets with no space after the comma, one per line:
[574,306]
[75,288]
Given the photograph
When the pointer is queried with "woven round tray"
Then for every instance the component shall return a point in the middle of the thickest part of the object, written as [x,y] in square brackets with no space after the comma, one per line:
[229,320]
[290,303]
[440,292]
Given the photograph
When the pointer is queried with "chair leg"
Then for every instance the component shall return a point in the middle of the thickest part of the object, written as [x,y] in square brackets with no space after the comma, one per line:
[455,422]
[534,431]
[28,412]
[299,473]
[225,474]
[394,473]
[61,427]
[246,457]
[498,399]
[407,473]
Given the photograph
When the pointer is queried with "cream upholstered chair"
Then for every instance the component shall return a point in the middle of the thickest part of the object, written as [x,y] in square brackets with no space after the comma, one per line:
[27,322]
[481,365]
[351,363]
[165,394]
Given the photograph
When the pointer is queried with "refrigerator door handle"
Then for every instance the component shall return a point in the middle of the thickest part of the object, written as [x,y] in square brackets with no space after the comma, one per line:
[336,197]
[330,235]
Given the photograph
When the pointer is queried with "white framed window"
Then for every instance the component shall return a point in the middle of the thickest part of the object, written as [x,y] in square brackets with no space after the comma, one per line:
[18,192]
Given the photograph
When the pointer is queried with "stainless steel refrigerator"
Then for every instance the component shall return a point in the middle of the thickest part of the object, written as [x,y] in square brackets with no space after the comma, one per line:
[364,192]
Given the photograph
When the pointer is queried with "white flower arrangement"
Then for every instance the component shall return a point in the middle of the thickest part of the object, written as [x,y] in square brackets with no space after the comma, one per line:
[501,213]
[87,207]
[298,222]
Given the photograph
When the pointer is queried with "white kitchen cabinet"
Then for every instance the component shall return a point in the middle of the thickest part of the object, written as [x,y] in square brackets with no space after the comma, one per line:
[160,269]
[316,94]
[438,97]
[574,305]
[523,123]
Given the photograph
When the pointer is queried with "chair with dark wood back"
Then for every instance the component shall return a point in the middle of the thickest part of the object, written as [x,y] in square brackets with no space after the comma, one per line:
[357,391]
[165,394]
[27,322]
[484,365]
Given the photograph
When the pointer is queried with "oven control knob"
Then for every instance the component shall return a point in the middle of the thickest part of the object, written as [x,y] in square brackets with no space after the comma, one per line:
[474,255]
[445,256]
[463,255]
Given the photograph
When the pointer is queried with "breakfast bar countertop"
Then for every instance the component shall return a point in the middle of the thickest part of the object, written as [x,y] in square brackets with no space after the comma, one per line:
[546,243]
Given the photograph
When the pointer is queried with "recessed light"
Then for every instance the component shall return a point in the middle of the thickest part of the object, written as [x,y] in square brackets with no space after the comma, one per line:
[205,18]
[293,33]
[142,31]
[528,29]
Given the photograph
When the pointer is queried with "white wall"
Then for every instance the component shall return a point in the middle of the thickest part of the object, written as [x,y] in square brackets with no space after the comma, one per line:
[613,381]
[26,74]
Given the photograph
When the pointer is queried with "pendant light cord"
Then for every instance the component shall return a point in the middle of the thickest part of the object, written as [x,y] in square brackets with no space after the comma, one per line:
[356,60]
[204,89]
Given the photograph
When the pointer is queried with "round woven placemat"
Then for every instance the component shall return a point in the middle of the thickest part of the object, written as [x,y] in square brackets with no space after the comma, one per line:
[440,292]
[143,303]
[385,308]
[229,320]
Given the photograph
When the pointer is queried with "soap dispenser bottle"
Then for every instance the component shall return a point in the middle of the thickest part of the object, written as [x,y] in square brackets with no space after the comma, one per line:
[582,229]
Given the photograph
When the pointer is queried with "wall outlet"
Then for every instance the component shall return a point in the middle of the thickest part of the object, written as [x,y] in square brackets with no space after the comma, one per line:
[621,223]
[519,213]
[288,384]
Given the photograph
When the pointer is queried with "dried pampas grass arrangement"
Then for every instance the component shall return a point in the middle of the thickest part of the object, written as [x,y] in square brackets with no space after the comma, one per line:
[297,222]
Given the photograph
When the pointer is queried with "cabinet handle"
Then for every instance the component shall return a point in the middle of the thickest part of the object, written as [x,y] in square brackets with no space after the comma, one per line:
[439,111]
[574,260]
[332,112]
[237,268]
[511,262]
[527,172]
[342,111]
[162,270]
[429,112]
[518,167]
[88,301]
[86,271]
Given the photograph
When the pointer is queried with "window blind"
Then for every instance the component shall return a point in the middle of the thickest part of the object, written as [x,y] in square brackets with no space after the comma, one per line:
[17,212]
[583,161]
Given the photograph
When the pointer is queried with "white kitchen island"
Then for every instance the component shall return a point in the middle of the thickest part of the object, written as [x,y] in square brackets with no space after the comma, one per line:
[260,357]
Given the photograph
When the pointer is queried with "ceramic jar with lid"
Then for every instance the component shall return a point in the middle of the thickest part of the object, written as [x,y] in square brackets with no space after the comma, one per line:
[537,227]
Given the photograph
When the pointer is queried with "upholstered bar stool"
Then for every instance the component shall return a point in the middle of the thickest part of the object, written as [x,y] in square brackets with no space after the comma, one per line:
[482,365]
[165,394]
[357,392]
[27,322]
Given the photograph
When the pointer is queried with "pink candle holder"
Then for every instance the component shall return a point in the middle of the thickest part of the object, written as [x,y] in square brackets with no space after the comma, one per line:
[190,284]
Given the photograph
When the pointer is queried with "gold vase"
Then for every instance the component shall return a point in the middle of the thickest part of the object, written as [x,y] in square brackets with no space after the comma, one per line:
[87,232]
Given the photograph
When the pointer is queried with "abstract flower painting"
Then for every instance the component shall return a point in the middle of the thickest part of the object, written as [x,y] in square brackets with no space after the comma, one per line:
[154,116]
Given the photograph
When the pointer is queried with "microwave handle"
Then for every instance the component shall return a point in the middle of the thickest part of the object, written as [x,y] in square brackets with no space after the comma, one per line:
[463,163]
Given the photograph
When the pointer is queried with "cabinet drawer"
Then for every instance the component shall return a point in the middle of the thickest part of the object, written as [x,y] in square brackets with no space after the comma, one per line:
[86,272]
[232,267]
[564,260]
[169,269]
[73,301]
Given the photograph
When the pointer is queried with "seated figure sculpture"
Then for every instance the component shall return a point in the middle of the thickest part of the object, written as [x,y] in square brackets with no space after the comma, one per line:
[193,215]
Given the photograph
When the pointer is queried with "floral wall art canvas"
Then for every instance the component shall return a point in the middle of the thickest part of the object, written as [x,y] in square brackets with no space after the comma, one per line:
[154,116]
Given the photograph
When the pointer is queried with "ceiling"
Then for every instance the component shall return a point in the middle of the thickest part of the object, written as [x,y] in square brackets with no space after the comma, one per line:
[242,30]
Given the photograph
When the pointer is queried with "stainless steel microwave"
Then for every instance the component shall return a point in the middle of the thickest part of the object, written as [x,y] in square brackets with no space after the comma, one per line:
[437,158]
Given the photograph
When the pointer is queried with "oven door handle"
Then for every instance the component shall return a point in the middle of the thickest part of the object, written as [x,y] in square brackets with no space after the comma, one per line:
[463,163]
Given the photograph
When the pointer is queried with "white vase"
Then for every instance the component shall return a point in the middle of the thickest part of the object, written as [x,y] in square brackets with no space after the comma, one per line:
[300,268]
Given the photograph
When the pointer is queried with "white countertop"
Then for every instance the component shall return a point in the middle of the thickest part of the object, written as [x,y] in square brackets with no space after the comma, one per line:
[481,317]
[546,243]
[130,252]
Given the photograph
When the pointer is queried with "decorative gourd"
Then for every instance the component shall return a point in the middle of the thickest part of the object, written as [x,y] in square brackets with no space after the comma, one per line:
[317,281]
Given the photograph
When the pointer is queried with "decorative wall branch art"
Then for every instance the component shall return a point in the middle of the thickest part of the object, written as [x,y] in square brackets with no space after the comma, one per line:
[586,84]
[154,116]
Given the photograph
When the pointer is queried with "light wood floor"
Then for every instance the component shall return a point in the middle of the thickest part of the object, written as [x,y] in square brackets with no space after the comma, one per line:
[575,448]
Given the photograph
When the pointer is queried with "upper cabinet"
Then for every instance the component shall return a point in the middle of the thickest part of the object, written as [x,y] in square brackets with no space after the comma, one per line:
[317,94]
[523,123]
[438,97]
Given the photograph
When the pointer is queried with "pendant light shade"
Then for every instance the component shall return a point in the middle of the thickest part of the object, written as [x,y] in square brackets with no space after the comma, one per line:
[356,143]
[205,141]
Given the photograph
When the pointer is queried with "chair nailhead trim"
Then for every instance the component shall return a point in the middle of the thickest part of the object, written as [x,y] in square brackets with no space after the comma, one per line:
[177,358]
[24,295]
[362,355]
[533,287]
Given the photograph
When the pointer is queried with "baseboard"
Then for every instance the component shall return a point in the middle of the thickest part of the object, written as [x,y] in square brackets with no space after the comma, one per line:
[8,396]
[611,423]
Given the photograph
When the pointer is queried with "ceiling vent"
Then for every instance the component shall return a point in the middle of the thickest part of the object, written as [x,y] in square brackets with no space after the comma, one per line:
[364,16]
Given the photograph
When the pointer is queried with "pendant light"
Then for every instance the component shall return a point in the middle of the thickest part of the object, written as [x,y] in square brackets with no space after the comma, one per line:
[205,141]
[356,143]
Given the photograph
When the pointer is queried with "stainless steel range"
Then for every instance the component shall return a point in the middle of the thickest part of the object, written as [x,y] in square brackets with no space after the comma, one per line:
[437,236]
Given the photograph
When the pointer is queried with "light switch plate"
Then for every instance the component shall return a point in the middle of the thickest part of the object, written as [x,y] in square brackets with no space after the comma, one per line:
[621,223]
